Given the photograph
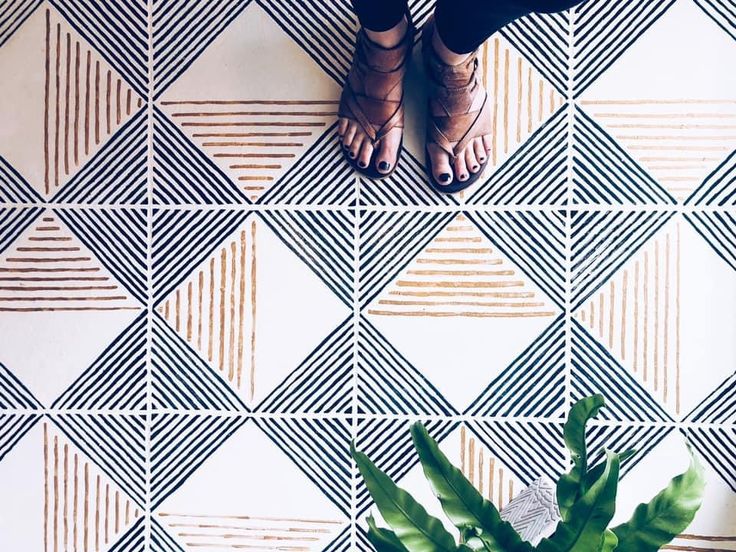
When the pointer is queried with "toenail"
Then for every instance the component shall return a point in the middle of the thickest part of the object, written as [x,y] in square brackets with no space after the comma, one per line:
[482,159]
[476,167]
[463,176]
[383,165]
[445,177]
[351,154]
[362,165]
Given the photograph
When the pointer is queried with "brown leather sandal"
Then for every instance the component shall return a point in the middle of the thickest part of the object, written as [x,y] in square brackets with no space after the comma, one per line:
[452,91]
[375,73]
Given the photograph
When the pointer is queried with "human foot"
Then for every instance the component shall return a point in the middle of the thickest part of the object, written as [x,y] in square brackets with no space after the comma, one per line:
[371,114]
[459,122]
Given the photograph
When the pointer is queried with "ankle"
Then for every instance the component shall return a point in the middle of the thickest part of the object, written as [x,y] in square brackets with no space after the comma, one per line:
[392,37]
[444,53]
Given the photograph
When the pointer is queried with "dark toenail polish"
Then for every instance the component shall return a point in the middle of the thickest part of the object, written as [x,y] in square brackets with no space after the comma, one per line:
[476,167]
[463,177]
[383,165]
[445,177]
[351,154]
[362,165]
[482,159]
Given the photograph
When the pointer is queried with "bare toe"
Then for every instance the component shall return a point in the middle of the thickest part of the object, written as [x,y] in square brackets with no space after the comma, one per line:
[440,164]
[354,149]
[470,161]
[365,154]
[349,136]
[480,150]
[342,126]
[461,168]
[488,143]
[388,151]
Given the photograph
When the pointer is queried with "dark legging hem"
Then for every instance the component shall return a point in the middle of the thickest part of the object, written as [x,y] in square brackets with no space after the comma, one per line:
[379,15]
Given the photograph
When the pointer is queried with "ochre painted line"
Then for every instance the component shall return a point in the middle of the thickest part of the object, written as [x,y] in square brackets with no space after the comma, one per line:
[231,341]
[300,124]
[77,65]
[67,95]
[57,97]
[248,134]
[455,284]
[97,102]
[493,294]
[47,86]
[253,296]
[87,93]
[257,113]
[221,328]
[257,155]
[250,102]
[241,308]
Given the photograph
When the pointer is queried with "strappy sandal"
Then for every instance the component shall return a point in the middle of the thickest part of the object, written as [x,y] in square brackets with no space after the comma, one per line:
[452,91]
[375,73]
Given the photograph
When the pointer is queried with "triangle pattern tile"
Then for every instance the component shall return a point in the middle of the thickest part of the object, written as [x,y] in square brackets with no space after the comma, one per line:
[80,101]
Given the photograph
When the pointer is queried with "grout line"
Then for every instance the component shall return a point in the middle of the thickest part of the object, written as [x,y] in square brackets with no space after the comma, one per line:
[683,424]
[674,208]
[149,276]
[356,324]
[568,219]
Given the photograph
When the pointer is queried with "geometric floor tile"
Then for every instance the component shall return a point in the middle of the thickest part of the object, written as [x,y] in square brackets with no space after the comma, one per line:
[70,109]
[237,306]
[670,105]
[51,282]
[253,120]
[68,501]
[239,498]
[454,304]
[654,315]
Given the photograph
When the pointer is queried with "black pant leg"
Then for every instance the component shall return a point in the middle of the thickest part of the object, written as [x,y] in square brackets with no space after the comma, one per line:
[379,15]
[464,25]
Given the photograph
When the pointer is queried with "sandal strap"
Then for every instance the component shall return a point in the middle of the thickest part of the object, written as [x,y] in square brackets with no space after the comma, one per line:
[375,73]
[452,92]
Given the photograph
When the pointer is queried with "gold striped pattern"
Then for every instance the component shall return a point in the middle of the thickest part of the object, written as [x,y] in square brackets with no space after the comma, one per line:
[215,309]
[488,475]
[254,141]
[679,142]
[460,274]
[48,269]
[242,532]
[637,316]
[85,101]
[83,510]
[521,99]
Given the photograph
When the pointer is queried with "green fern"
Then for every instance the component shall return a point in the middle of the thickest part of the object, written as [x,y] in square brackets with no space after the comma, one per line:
[586,497]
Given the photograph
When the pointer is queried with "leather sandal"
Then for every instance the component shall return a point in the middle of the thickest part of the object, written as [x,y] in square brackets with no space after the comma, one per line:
[452,91]
[376,71]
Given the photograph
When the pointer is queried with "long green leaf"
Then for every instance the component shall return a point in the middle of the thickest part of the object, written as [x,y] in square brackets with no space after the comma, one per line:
[667,515]
[413,526]
[569,486]
[589,515]
[460,500]
[383,540]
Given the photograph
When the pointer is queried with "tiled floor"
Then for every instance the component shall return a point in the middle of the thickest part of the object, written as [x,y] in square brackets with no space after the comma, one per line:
[201,305]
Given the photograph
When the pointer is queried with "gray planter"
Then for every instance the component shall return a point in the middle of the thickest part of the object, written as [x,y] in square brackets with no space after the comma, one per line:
[534,512]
